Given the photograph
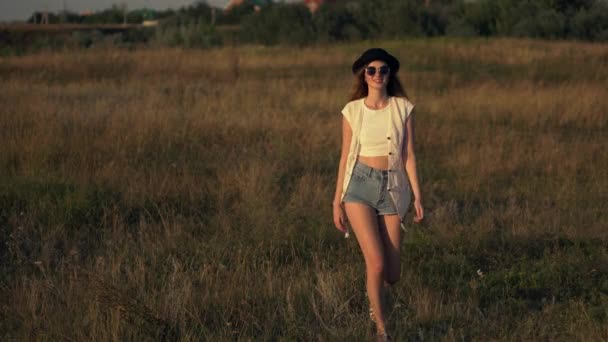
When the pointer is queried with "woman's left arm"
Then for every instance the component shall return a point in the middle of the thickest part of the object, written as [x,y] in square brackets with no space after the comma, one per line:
[410,167]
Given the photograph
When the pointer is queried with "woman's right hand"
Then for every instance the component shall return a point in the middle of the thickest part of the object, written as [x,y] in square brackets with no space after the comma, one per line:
[339,217]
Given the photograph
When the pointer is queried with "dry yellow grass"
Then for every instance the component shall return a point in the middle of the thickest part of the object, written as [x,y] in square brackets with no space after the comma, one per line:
[184,194]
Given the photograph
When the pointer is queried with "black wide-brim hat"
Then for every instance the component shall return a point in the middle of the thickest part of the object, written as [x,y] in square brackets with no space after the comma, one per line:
[376,54]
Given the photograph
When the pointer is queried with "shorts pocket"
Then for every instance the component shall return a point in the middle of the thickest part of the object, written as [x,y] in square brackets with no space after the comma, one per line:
[359,175]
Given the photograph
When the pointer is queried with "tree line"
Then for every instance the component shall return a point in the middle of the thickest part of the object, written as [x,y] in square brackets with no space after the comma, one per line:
[371,19]
[201,26]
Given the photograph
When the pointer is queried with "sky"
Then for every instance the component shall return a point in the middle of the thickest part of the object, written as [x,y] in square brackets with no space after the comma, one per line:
[20,10]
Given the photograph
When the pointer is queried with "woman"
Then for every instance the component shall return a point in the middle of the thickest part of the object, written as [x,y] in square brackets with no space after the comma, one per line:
[372,190]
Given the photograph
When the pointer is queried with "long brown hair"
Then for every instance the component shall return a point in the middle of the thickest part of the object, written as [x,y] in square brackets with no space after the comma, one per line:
[393,87]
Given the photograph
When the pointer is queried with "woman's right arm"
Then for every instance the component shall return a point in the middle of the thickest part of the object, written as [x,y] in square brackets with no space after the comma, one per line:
[339,215]
[410,168]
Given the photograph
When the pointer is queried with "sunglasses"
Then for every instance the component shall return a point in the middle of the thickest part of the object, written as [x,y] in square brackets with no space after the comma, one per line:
[371,71]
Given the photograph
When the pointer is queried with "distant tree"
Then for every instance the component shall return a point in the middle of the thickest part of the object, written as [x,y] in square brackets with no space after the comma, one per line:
[112,15]
[434,19]
[37,17]
[400,18]
[71,17]
[236,14]
[591,23]
[571,6]
[368,20]
[165,14]
[543,23]
[139,15]
[279,23]
[481,15]
[336,23]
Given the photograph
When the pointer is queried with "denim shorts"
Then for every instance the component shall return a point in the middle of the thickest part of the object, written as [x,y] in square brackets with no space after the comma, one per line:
[368,186]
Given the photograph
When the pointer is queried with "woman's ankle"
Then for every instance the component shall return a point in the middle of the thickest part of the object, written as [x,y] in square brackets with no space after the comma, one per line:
[380,329]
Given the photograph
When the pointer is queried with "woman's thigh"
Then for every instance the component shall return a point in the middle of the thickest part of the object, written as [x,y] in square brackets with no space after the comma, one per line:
[364,223]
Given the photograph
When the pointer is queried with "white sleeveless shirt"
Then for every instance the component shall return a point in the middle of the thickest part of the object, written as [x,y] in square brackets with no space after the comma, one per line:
[399,109]
[373,131]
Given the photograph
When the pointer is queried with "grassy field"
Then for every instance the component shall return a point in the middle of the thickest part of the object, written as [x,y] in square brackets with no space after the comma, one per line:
[185,195]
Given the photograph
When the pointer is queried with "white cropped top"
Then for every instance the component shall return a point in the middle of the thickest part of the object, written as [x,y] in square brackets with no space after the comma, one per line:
[373,131]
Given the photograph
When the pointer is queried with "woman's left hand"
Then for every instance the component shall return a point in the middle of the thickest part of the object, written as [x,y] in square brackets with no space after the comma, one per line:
[419,210]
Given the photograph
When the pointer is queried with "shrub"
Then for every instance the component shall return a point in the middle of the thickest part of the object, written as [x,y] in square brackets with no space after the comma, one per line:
[236,14]
[191,35]
[481,15]
[199,12]
[365,16]
[138,36]
[571,6]
[113,15]
[37,18]
[458,27]
[546,24]
[592,23]
[434,20]
[401,18]
[279,23]
[336,23]
[83,39]
[190,27]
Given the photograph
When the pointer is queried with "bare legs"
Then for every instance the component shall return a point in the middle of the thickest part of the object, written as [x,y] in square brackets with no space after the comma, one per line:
[379,239]
[390,232]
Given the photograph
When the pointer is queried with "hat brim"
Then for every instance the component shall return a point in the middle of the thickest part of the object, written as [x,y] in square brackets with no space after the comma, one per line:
[376,54]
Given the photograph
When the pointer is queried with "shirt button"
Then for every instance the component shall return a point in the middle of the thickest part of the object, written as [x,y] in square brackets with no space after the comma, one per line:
[389,138]
[388,189]
[390,153]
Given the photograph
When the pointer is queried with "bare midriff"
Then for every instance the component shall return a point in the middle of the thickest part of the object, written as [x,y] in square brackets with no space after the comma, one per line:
[376,162]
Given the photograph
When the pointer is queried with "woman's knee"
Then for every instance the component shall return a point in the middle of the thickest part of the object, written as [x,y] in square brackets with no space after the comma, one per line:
[376,266]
